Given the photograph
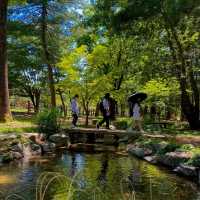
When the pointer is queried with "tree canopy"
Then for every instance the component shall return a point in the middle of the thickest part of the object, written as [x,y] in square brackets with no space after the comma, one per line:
[59,48]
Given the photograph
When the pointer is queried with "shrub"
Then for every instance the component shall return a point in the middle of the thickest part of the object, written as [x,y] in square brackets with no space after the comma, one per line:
[186,148]
[171,147]
[48,122]
[194,161]
[121,124]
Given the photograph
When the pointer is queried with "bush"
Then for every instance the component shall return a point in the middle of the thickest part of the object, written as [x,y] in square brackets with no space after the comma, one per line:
[48,122]
[194,161]
[121,124]
[171,147]
[186,148]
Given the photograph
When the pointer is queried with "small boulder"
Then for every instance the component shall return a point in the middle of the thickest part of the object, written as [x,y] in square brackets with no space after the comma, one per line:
[187,170]
[7,157]
[151,159]
[35,149]
[17,148]
[174,159]
[60,140]
[48,147]
[140,152]
[16,155]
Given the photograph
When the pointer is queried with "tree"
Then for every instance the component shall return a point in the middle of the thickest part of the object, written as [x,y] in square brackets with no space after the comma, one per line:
[5,113]
[47,54]
[50,21]
[81,78]
[171,18]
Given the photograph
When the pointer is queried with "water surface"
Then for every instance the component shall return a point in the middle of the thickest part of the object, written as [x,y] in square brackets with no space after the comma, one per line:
[95,176]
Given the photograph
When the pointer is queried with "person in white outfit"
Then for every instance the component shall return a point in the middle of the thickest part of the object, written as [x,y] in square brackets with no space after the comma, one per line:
[137,117]
[75,110]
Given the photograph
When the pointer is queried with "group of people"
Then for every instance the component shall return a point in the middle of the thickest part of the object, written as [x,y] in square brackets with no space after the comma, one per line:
[107,109]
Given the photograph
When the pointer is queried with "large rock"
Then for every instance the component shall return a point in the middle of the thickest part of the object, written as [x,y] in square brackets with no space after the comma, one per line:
[187,170]
[140,152]
[7,157]
[48,147]
[151,159]
[16,155]
[174,159]
[34,149]
[17,148]
[60,140]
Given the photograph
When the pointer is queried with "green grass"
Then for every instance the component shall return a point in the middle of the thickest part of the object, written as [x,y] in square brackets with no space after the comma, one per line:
[22,123]
[19,110]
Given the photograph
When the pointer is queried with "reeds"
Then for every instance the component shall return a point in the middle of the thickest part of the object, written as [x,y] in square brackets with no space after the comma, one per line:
[56,186]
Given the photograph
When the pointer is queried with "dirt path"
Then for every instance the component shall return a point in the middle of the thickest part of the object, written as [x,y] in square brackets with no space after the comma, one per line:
[180,139]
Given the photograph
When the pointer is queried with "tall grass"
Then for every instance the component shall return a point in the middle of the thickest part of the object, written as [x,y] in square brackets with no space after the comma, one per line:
[56,186]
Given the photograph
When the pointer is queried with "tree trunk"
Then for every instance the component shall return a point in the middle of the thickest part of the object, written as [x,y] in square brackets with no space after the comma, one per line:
[37,95]
[63,103]
[86,110]
[122,110]
[34,95]
[5,114]
[87,114]
[191,112]
[47,55]
[97,110]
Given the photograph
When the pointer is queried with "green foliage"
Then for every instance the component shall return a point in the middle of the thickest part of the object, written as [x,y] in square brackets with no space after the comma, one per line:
[122,124]
[48,122]
[186,147]
[171,147]
[115,46]
[160,88]
[194,161]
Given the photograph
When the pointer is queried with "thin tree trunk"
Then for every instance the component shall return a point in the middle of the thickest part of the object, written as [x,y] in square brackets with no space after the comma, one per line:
[37,100]
[86,110]
[122,110]
[63,103]
[5,114]
[34,95]
[87,114]
[47,55]
[97,110]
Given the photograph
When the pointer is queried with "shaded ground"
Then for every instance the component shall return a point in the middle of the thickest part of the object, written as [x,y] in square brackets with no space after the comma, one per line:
[21,123]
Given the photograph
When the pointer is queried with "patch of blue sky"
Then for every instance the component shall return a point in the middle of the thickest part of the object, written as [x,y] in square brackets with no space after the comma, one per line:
[67,26]
[26,14]
[32,12]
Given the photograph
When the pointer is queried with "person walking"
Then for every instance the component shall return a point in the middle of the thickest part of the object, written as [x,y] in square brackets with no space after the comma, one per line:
[137,117]
[105,109]
[75,110]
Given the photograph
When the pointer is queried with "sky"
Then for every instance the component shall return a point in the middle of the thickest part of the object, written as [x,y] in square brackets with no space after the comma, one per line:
[31,13]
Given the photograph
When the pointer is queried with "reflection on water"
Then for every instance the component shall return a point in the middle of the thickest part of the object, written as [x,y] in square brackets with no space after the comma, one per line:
[5,179]
[116,177]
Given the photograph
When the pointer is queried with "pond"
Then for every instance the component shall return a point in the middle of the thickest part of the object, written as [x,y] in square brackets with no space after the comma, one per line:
[81,176]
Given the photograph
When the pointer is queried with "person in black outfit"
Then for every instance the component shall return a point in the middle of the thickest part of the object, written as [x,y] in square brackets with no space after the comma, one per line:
[105,109]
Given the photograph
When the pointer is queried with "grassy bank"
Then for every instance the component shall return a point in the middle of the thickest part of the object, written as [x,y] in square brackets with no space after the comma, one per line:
[22,123]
